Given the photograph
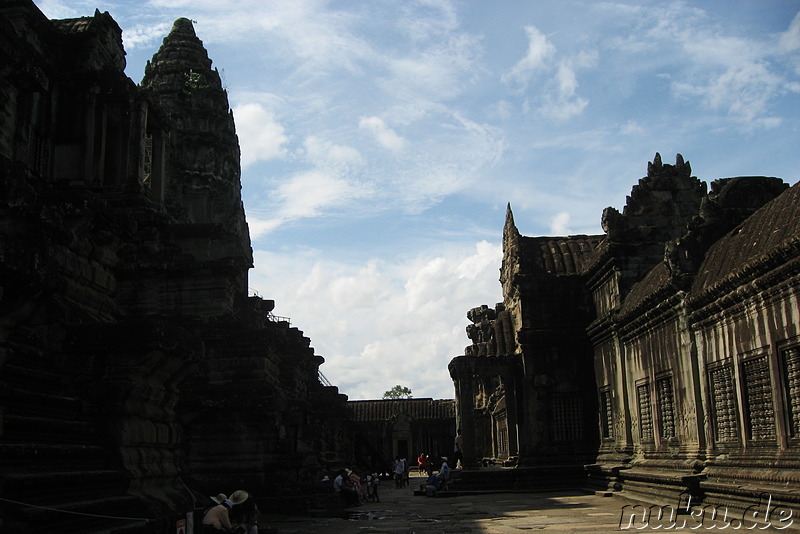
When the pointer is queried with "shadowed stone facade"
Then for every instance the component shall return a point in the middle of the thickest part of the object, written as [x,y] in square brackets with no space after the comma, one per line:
[137,376]
[383,429]
[662,355]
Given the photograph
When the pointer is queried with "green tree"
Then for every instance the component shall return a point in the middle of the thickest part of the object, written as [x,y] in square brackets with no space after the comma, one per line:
[398,392]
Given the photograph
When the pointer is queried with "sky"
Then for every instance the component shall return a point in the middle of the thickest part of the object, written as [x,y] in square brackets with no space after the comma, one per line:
[382,140]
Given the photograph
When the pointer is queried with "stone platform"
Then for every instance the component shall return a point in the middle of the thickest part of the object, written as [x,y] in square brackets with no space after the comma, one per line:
[494,512]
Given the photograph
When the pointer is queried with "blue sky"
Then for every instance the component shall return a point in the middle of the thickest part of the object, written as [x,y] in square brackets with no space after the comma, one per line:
[382,140]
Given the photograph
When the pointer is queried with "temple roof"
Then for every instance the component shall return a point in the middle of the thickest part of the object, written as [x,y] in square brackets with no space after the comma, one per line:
[646,289]
[78,25]
[771,229]
[382,410]
[84,24]
[561,255]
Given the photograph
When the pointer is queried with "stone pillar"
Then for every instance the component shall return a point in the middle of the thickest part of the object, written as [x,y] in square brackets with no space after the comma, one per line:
[623,433]
[157,167]
[90,166]
[511,413]
[463,375]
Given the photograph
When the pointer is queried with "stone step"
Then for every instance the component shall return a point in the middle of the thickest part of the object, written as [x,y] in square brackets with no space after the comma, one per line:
[120,514]
[36,402]
[19,456]
[47,429]
[64,485]
[32,372]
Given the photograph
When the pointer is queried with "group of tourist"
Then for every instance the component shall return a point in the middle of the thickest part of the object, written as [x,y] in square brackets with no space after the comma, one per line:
[237,513]
[354,488]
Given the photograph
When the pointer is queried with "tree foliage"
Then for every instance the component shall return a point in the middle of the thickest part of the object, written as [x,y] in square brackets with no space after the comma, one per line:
[398,392]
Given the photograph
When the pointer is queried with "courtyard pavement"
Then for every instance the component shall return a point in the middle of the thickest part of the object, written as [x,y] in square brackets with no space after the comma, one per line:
[400,511]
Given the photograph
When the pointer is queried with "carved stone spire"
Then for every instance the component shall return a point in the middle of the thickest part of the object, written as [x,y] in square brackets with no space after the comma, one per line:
[204,173]
[204,156]
[655,166]
[510,229]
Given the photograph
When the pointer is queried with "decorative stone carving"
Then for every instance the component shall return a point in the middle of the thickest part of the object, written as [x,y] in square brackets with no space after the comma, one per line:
[792,367]
[666,407]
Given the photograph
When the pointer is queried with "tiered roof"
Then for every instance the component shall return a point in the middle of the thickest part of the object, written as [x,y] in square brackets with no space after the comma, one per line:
[383,410]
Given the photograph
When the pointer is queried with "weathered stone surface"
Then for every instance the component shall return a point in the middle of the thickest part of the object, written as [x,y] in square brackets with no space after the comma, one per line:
[383,429]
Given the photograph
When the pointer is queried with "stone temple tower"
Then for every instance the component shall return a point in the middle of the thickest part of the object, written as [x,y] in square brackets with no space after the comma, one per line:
[204,175]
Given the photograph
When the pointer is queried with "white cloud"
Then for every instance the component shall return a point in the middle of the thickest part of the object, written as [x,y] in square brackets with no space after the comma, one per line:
[434,19]
[325,153]
[58,9]
[730,76]
[144,35]
[501,110]
[540,51]
[384,135]
[382,322]
[434,59]
[557,98]
[561,102]
[632,127]
[261,137]
[789,41]
[450,157]
[742,91]
[259,227]
[560,224]
[305,194]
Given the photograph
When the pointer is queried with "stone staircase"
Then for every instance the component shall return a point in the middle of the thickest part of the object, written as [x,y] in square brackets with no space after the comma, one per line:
[55,473]
[511,480]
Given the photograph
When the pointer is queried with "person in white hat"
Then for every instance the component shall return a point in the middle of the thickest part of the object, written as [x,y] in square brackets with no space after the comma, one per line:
[444,473]
[245,512]
[216,519]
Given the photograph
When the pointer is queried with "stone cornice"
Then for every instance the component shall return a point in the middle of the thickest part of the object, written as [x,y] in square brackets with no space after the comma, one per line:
[754,278]
[660,306]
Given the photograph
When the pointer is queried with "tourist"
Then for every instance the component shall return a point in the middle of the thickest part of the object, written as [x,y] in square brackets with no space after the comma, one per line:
[422,463]
[444,473]
[358,486]
[374,486]
[432,485]
[338,482]
[245,512]
[399,471]
[217,518]
[344,488]
[458,455]
[369,487]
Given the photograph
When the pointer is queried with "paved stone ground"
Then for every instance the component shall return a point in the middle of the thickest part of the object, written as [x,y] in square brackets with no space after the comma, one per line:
[401,512]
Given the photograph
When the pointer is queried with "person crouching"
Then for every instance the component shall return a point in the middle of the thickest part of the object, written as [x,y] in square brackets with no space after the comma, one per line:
[217,518]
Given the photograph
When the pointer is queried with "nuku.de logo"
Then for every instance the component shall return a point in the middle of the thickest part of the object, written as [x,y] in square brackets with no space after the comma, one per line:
[759,516]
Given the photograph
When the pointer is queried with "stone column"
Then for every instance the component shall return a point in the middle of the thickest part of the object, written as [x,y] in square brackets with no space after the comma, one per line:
[510,387]
[157,166]
[463,375]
